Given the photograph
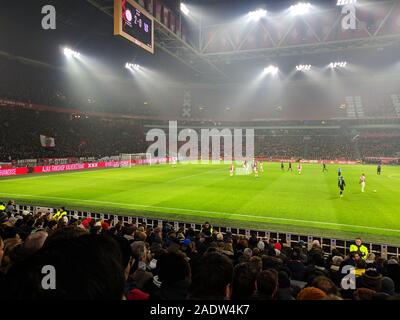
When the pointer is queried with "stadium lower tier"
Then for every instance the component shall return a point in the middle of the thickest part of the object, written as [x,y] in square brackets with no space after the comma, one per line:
[277,199]
[72,135]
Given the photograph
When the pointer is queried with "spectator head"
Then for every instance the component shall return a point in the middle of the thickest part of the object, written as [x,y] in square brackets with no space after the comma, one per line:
[358,241]
[243,282]
[248,252]
[87,268]
[364,294]
[213,277]
[388,286]
[371,279]
[283,280]
[126,254]
[311,293]
[1,250]
[370,259]
[3,217]
[267,283]
[35,241]
[326,285]
[70,232]
[173,267]
[139,250]
[315,244]
[261,245]
[337,260]
[220,236]
[256,264]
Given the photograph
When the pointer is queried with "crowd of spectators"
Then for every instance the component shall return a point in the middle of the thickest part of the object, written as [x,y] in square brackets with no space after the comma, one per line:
[99,136]
[380,147]
[99,259]
[74,136]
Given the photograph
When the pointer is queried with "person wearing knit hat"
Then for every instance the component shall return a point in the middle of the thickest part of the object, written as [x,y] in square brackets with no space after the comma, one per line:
[311,293]
[105,225]
[387,286]
[86,222]
[248,252]
[261,245]
[278,246]
[371,279]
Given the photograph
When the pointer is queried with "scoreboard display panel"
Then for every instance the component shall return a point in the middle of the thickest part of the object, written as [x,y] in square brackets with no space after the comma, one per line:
[134,23]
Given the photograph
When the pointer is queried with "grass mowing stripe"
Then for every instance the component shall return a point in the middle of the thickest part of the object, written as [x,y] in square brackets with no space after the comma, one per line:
[131,205]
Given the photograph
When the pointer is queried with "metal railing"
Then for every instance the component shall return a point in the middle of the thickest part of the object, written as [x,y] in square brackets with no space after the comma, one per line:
[327,244]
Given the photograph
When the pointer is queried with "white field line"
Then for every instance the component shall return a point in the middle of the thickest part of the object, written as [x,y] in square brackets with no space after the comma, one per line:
[199,211]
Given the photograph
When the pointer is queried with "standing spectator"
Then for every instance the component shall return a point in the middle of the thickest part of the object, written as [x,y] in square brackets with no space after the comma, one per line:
[207,229]
[357,246]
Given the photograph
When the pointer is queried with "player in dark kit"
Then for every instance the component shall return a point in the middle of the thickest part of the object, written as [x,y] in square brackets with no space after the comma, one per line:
[290,167]
[379,170]
[324,167]
[282,166]
[341,185]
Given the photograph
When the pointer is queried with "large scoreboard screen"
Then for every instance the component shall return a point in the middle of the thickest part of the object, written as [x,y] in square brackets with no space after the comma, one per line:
[134,23]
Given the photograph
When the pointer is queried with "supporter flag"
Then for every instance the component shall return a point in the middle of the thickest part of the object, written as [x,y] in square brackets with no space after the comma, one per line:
[47,142]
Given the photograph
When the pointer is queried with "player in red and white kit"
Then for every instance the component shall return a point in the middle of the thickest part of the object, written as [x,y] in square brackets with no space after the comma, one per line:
[231,170]
[299,168]
[261,167]
[362,182]
[255,170]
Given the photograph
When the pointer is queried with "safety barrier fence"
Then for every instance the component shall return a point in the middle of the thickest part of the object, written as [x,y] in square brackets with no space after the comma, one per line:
[286,238]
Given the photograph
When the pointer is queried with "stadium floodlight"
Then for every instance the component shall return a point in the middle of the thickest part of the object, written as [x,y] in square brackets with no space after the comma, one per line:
[303,67]
[132,67]
[71,53]
[345,2]
[185,9]
[257,14]
[300,8]
[338,64]
[272,70]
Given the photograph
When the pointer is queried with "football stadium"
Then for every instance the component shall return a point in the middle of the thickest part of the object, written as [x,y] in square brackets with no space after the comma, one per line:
[200,150]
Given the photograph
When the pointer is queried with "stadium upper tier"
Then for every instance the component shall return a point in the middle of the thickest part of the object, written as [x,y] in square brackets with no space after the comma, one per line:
[96,136]
[359,96]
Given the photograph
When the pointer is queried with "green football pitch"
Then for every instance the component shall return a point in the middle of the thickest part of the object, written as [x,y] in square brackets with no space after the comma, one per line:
[276,201]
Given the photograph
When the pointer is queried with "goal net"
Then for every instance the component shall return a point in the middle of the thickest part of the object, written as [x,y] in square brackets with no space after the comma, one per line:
[132,159]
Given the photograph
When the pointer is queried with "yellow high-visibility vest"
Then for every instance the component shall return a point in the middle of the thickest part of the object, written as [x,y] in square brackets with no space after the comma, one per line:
[362,249]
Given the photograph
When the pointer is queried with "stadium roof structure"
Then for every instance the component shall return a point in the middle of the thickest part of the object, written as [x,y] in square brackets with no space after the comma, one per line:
[378,25]
[278,35]
[172,44]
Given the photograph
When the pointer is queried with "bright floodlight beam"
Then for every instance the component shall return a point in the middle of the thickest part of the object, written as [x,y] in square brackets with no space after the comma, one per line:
[338,64]
[300,8]
[132,67]
[257,14]
[185,9]
[71,53]
[345,2]
[303,67]
[272,70]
